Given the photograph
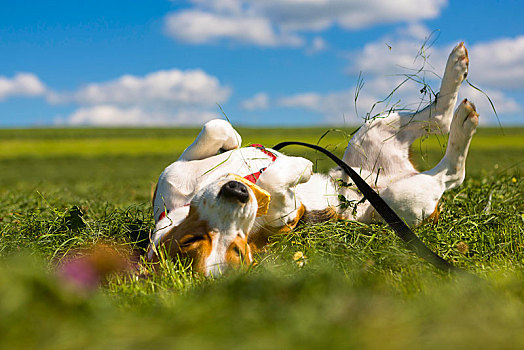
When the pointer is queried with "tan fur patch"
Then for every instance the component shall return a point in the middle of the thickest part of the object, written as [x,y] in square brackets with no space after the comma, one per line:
[317,216]
[193,238]
[259,238]
[153,196]
[238,252]
[433,218]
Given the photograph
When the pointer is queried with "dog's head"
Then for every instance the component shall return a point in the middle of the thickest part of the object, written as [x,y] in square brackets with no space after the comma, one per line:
[214,233]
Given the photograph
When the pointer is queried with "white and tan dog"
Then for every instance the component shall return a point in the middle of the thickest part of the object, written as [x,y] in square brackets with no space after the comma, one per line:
[206,204]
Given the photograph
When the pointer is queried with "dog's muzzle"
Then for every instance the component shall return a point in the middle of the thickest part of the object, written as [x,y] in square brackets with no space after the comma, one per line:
[235,190]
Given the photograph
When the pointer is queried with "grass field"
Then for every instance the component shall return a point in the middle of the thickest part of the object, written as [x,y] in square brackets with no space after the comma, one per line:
[356,287]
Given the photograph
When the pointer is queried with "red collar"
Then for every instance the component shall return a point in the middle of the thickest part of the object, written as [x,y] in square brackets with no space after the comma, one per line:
[254,176]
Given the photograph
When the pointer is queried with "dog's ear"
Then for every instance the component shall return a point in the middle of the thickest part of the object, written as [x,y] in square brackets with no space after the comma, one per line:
[263,198]
[239,252]
[192,238]
[153,194]
[196,247]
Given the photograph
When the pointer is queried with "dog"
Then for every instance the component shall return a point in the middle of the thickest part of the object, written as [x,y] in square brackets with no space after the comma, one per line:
[217,209]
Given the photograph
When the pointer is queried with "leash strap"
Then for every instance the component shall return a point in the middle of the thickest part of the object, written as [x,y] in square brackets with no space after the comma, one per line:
[392,219]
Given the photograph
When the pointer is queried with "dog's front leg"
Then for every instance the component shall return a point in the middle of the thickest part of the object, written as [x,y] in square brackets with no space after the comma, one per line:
[285,208]
[216,135]
[280,180]
[440,113]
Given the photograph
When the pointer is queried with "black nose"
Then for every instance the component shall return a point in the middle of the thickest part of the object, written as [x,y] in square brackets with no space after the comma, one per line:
[235,189]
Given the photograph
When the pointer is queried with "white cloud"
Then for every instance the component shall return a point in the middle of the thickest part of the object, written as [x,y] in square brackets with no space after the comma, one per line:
[383,68]
[199,27]
[258,101]
[499,63]
[402,52]
[335,106]
[503,103]
[350,14]
[220,6]
[317,45]
[309,100]
[496,67]
[383,64]
[166,97]
[22,84]
[416,31]
[278,22]
[108,115]
[166,87]
[339,106]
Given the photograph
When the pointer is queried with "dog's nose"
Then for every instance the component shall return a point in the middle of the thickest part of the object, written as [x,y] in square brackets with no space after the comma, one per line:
[235,189]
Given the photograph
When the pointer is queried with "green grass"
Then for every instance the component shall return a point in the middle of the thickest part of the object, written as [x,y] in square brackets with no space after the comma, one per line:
[49,143]
[359,287]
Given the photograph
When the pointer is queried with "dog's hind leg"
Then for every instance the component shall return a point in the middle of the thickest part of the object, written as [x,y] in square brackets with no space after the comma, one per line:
[439,114]
[382,145]
[415,197]
[216,135]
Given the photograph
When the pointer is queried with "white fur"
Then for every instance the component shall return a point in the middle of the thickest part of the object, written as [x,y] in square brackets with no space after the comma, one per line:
[379,151]
[228,219]
[381,145]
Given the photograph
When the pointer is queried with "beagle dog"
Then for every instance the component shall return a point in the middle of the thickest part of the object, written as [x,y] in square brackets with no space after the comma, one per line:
[217,208]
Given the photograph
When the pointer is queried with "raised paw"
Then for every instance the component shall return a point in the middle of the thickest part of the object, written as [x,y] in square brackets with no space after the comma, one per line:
[469,113]
[452,168]
[300,170]
[216,135]
[222,134]
[457,65]
[465,120]
[456,71]
[286,172]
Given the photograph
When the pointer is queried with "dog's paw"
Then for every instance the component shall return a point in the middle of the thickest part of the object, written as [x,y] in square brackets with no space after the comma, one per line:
[471,117]
[233,141]
[455,72]
[306,170]
[222,134]
[466,118]
[458,63]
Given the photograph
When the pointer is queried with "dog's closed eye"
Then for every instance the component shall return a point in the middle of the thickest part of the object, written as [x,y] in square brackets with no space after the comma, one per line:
[189,240]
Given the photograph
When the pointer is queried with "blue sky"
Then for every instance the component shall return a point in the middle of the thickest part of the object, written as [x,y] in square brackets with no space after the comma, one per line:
[271,62]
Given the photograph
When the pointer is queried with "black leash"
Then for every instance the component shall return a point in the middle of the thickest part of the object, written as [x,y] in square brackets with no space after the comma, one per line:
[392,219]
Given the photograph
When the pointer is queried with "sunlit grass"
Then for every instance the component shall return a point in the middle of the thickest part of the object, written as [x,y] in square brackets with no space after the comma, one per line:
[31,144]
